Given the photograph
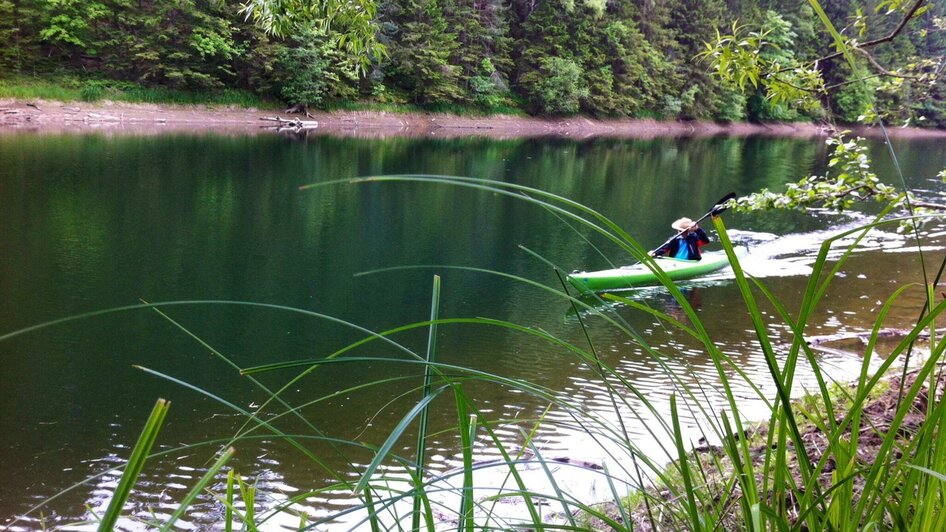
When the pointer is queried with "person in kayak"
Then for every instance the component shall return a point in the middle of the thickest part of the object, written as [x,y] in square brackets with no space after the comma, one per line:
[686,245]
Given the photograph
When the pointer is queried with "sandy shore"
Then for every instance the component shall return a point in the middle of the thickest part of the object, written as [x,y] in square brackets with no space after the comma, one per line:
[143,119]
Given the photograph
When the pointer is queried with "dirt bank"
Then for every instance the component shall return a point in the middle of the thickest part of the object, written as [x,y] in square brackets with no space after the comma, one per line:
[127,118]
[879,417]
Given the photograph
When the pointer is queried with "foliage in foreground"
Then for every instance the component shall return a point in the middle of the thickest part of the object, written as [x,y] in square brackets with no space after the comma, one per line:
[785,484]
[773,486]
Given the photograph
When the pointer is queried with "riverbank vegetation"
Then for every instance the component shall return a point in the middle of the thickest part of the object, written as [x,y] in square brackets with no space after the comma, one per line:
[808,470]
[76,89]
[881,417]
[605,59]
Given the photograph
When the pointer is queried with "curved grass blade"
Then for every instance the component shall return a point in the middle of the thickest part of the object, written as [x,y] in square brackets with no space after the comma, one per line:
[511,464]
[395,435]
[308,453]
[548,473]
[515,383]
[139,455]
[272,396]
[638,338]
[926,471]
[777,377]
[513,190]
[201,484]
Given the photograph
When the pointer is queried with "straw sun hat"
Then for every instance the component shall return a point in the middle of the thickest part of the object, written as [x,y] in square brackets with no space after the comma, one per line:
[682,224]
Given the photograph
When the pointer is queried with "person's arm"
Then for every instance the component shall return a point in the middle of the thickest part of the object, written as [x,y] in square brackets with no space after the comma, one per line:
[702,236]
[670,248]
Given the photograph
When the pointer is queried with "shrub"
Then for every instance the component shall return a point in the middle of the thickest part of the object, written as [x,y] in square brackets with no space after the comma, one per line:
[558,86]
[315,71]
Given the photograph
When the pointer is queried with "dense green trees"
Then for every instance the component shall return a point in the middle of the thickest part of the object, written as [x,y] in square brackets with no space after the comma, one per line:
[599,57]
[420,52]
[314,70]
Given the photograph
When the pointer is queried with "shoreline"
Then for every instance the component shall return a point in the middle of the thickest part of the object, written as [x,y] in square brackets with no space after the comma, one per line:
[880,414]
[120,118]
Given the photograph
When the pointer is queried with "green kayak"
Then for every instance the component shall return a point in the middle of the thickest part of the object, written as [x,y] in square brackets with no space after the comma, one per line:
[641,275]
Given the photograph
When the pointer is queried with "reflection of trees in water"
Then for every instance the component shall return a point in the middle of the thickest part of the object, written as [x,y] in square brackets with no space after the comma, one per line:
[92,222]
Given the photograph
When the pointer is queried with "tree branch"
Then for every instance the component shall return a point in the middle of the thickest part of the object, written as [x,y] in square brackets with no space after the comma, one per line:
[792,85]
[860,47]
[927,205]
[888,38]
[858,80]
[880,68]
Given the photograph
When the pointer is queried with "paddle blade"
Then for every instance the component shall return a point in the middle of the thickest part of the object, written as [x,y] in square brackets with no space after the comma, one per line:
[721,204]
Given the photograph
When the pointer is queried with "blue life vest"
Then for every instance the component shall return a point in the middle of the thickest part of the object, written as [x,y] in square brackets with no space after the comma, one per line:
[683,249]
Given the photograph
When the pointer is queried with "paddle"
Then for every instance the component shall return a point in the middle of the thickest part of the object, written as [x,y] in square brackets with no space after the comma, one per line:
[719,207]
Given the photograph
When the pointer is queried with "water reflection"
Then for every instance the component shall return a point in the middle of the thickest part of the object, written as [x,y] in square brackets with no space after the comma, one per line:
[92,222]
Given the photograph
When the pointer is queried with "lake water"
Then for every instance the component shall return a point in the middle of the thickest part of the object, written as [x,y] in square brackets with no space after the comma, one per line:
[97,222]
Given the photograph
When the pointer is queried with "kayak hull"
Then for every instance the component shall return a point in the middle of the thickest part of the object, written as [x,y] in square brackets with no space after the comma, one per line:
[641,275]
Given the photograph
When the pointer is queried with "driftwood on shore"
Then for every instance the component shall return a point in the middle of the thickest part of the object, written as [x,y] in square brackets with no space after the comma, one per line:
[864,337]
[820,342]
[10,116]
[295,124]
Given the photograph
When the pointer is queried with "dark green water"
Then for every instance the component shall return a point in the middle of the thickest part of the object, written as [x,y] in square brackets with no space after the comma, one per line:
[96,222]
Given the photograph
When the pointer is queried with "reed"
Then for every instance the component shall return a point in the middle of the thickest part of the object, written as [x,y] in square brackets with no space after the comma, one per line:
[772,481]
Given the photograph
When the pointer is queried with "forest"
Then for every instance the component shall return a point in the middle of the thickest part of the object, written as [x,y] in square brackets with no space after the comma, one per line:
[600,58]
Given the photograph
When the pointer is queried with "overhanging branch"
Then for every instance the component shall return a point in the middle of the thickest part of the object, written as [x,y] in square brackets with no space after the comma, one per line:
[903,23]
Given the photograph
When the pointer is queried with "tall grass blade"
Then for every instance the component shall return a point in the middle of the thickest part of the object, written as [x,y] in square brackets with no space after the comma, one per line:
[424,414]
[372,511]
[136,463]
[876,487]
[467,429]
[248,493]
[560,496]
[619,500]
[531,506]
[228,516]
[764,343]
[692,509]
[393,438]
[206,479]
[741,470]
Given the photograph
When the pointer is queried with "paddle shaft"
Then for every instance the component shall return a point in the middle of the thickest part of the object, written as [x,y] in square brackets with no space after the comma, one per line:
[717,208]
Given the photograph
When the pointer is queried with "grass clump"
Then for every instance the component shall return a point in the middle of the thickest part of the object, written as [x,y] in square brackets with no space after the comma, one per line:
[407,108]
[880,414]
[39,88]
[70,89]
